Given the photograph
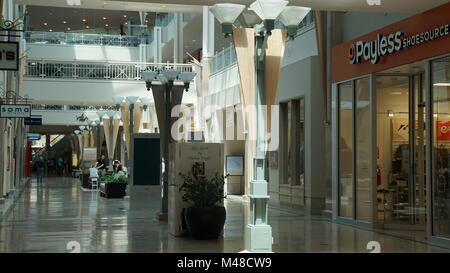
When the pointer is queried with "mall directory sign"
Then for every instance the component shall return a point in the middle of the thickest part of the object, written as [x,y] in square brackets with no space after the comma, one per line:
[15,110]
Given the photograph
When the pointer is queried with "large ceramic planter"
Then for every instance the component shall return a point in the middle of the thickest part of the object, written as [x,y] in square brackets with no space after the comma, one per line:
[112,189]
[205,223]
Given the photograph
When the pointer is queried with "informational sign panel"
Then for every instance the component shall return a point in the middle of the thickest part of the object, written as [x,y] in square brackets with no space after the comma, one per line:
[15,111]
[32,136]
[90,154]
[198,159]
[9,56]
[32,121]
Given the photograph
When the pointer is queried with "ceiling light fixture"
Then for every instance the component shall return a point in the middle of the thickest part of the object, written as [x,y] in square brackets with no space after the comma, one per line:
[442,84]
[84,20]
[106,25]
[64,22]
[45,24]
[104,18]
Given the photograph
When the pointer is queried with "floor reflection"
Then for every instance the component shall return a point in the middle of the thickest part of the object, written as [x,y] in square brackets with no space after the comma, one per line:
[49,216]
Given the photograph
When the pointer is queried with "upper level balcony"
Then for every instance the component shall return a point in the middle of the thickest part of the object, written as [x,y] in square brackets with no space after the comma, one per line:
[66,82]
[86,47]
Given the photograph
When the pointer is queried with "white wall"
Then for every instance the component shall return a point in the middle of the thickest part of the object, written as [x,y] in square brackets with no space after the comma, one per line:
[355,24]
[302,78]
[88,92]
[83,53]
[305,45]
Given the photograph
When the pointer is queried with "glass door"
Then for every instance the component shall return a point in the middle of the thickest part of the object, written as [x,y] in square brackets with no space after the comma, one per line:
[401,151]
[355,151]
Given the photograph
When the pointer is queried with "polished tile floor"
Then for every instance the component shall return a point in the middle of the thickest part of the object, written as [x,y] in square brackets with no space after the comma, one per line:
[49,216]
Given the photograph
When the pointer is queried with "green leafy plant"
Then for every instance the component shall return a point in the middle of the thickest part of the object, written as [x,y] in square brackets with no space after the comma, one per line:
[201,191]
[110,178]
[121,179]
[107,178]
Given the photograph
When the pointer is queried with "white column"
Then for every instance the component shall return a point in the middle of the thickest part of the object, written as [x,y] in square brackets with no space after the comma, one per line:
[205,69]
[178,42]
[157,51]
[208,33]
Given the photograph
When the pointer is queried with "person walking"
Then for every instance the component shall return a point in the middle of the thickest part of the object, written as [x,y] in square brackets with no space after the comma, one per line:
[40,165]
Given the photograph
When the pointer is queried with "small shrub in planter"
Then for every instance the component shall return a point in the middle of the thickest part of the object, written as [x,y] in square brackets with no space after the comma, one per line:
[114,187]
[206,218]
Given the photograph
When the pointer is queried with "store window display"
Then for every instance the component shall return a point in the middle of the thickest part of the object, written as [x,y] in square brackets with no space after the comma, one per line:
[440,75]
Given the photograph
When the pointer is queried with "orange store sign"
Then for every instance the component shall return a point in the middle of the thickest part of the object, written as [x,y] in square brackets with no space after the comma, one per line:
[416,38]
[443,130]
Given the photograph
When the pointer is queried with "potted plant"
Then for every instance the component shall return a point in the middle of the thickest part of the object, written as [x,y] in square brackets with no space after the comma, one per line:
[113,187]
[206,217]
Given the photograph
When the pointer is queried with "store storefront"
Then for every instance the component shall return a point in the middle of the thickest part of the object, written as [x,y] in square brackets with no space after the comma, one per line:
[391,127]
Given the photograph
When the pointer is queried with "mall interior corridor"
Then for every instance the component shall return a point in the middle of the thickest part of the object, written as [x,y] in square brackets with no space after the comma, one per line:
[49,216]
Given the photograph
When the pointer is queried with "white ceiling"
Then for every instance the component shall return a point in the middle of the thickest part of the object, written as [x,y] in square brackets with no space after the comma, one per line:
[189,6]
[116,5]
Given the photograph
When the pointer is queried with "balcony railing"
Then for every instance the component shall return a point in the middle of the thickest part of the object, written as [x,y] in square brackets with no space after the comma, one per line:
[45,107]
[223,59]
[95,70]
[62,38]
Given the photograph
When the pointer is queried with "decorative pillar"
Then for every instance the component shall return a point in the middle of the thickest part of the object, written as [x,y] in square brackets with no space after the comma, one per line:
[178,42]
[157,42]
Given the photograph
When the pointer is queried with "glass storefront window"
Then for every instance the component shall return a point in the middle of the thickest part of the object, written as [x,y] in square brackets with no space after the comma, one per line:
[363,150]
[440,88]
[346,150]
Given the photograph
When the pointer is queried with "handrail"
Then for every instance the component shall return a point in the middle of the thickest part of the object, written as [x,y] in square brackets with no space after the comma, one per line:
[106,62]
[95,70]
[41,37]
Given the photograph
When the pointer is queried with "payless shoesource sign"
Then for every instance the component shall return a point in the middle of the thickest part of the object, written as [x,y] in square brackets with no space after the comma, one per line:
[374,50]
[416,38]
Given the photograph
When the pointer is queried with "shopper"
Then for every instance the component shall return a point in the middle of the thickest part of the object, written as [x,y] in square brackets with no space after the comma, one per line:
[101,165]
[60,165]
[39,165]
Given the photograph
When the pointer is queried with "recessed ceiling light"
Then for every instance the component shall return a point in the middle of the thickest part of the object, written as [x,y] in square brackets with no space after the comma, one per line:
[68,28]
[51,30]
[124,16]
[64,22]
[104,18]
[126,23]
[84,20]
[442,84]
[45,24]
[106,25]
[87,26]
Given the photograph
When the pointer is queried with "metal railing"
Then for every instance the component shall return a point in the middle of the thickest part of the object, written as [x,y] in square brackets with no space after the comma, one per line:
[62,38]
[165,21]
[223,59]
[95,70]
[46,107]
